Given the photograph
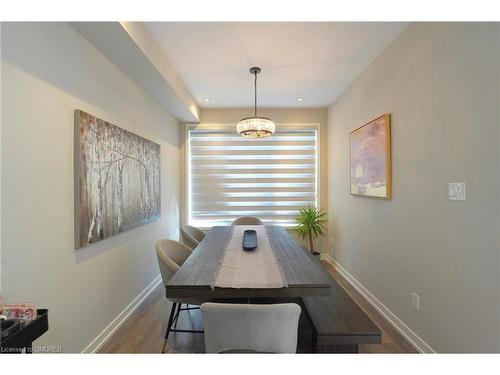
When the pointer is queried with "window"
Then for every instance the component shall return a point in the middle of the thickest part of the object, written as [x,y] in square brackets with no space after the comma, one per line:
[231,176]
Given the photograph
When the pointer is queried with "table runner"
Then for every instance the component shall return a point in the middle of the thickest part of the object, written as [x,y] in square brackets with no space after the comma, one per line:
[259,268]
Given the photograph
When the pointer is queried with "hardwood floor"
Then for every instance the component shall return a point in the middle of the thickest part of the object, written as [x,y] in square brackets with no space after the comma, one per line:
[144,330]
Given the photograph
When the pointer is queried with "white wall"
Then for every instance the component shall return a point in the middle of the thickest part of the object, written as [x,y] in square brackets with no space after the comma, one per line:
[48,71]
[440,84]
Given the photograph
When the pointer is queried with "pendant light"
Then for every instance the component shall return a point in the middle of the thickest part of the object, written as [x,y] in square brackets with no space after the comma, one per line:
[255,127]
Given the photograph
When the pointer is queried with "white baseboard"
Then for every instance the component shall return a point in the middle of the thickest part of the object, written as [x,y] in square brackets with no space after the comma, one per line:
[327,258]
[118,321]
[397,323]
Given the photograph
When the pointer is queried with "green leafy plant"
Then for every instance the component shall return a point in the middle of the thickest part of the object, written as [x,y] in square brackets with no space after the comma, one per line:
[310,225]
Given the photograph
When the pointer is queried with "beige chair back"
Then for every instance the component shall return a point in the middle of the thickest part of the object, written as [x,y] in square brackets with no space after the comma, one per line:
[191,236]
[171,255]
[255,328]
[247,220]
[194,232]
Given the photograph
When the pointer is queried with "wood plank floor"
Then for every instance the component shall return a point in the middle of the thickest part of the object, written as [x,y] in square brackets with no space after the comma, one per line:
[144,329]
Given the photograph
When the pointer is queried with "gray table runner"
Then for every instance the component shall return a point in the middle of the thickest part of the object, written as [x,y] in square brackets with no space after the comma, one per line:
[259,268]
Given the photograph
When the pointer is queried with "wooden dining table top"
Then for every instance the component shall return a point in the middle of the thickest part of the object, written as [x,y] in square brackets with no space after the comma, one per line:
[195,276]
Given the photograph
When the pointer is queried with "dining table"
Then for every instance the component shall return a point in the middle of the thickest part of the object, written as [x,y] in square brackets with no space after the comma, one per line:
[195,278]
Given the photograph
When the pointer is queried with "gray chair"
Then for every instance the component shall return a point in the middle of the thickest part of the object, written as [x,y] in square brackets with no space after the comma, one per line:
[246,328]
[247,220]
[171,255]
[191,236]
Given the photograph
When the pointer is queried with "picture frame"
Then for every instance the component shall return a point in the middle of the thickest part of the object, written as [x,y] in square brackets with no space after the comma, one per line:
[117,180]
[370,159]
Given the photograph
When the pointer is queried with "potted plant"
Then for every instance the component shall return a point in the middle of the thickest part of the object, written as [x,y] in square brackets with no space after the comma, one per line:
[310,225]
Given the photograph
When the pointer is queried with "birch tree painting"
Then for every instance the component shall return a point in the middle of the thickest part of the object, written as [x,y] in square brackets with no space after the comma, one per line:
[117,180]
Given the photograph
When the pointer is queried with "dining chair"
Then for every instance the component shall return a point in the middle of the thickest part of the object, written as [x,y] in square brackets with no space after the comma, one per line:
[191,236]
[248,328]
[171,255]
[247,220]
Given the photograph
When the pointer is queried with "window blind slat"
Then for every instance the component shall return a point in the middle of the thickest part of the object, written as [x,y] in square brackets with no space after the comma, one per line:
[231,176]
[255,196]
[252,159]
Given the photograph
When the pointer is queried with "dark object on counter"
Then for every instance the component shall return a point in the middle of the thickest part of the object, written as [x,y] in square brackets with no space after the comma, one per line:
[8,327]
[16,342]
[249,239]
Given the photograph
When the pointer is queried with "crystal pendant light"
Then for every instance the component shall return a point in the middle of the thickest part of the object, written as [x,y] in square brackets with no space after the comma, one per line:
[255,127]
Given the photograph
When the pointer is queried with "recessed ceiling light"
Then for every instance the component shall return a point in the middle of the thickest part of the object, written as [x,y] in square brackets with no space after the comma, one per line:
[300,99]
[207,100]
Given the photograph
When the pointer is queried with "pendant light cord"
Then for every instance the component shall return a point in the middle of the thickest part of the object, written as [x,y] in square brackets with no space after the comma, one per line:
[255,94]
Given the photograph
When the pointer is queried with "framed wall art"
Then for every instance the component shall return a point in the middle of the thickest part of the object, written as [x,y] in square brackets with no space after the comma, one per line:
[370,159]
[117,180]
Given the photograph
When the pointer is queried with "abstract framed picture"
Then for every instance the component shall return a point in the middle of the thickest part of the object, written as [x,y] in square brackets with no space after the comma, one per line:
[117,180]
[370,159]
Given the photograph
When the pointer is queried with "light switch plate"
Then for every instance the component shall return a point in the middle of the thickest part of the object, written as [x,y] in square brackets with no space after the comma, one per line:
[456,191]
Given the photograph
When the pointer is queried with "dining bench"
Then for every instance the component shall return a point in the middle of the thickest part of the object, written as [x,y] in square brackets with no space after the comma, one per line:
[337,323]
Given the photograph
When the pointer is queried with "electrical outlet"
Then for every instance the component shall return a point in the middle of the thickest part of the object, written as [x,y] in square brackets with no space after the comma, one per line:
[415,301]
[456,191]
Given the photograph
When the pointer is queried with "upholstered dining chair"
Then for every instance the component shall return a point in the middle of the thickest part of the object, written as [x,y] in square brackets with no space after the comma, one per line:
[247,220]
[247,328]
[191,236]
[171,255]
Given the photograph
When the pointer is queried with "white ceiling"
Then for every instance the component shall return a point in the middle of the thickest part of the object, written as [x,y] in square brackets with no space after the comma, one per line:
[316,61]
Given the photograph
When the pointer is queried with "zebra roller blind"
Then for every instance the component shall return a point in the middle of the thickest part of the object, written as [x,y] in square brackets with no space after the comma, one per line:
[231,176]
